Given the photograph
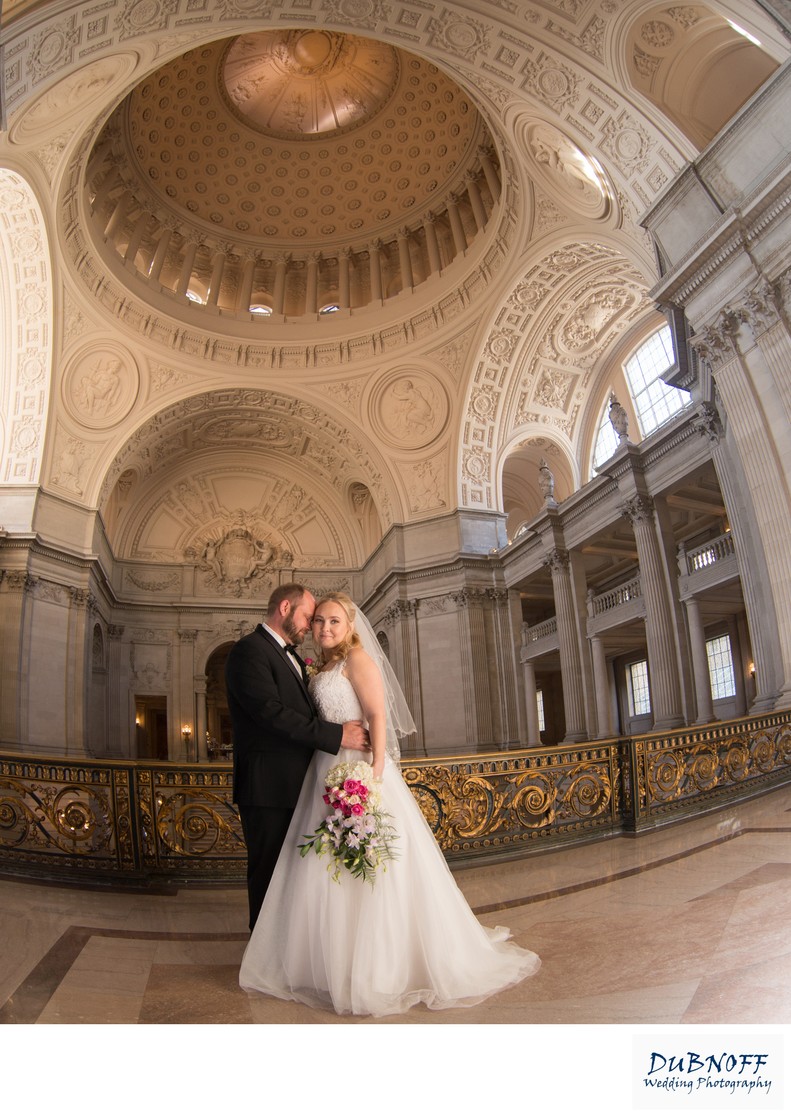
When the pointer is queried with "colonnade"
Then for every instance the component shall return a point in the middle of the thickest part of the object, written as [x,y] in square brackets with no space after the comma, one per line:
[229,277]
[656,612]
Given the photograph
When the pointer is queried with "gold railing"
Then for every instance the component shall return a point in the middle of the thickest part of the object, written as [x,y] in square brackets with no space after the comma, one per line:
[144,822]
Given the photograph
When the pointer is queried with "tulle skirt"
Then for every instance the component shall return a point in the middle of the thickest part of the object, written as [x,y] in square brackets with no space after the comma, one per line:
[374,949]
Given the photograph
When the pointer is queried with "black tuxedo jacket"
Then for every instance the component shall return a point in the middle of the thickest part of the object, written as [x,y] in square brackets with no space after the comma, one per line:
[276,727]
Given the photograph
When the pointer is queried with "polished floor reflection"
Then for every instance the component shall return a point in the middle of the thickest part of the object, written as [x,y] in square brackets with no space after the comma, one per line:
[687,926]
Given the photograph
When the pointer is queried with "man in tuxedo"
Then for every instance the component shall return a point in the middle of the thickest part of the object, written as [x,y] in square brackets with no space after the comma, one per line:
[276,729]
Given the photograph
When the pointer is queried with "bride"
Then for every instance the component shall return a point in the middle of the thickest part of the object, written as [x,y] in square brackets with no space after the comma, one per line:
[356,946]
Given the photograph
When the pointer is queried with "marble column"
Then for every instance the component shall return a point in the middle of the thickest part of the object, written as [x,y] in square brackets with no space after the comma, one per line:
[344,265]
[490,172]
[160,255]
[118,216]
[405,260]
[661,648]
[401,617]
[119,728]
[456,227]
[185,698]
[531,702]
[281,269]
[78,644]
[312,283]
[15,586]
[474,194]
[432,244]
[201,722]
[215,283]
[375,269]
[136,238]
[700,662]
[601,679]
[187,263]
[570,659]
[245,293]
[757,500]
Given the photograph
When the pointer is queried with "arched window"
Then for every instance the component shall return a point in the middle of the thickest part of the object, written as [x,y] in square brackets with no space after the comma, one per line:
[654,401]
[607,440]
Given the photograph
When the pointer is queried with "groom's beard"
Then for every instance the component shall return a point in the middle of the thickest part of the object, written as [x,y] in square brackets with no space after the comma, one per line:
[292,632]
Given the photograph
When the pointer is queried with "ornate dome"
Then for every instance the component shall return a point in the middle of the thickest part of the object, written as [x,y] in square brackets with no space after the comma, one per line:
[293,142]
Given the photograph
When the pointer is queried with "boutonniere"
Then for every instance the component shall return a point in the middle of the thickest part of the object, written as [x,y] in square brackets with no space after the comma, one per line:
[311,667]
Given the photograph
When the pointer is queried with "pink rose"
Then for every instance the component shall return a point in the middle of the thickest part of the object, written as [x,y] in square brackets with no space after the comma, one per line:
[358,808]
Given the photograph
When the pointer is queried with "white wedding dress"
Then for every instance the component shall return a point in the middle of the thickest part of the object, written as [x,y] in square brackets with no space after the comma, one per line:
[372,949]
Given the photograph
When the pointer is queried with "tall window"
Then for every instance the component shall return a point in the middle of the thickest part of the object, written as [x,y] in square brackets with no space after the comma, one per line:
[540,703]
[606,439]
[718,652]
[655,401]
[637,688]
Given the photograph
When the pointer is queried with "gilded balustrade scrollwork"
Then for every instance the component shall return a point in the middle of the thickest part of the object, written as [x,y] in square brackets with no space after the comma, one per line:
[710,763]
[144,821]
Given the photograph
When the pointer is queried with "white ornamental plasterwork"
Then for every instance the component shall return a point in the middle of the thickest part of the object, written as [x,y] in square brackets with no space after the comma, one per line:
[425,484]
[453,354]
[553,389]
[363,15]
[461,36]
[590,40]
[557,352]
[53,48]
[347,393]
[138,17]
[150,665]
[627,143]
[590,320]
[162,584]
[565,171]
[686,15]
[100,385]
[25,350]
[240,559]
[253,418]
[68,98]
[547,214]
[70,463]
[164,379]
[235,9]
[552,82]
[50,154]
[657,33]
[409,409]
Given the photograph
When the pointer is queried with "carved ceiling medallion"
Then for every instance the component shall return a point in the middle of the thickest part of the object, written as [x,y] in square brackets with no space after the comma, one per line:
[308,82]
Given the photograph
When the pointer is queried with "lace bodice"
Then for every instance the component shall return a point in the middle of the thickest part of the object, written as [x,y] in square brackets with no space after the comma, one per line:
[334,696]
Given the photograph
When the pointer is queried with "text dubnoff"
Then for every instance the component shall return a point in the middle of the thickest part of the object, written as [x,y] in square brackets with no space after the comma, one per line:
[705,1076]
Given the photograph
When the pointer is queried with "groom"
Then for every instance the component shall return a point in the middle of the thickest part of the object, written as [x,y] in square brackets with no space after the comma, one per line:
[276,730]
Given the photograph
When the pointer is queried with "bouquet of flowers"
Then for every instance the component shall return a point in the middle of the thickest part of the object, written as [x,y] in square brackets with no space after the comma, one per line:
[357,833]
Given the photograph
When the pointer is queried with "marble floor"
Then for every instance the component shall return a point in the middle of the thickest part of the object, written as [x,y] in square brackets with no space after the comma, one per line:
[682,929]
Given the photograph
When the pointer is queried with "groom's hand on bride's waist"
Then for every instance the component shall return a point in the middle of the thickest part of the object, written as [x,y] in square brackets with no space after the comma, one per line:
[355,736]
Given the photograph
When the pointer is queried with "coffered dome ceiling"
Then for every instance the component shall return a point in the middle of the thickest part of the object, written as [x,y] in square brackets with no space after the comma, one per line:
[288,147]
[298,135]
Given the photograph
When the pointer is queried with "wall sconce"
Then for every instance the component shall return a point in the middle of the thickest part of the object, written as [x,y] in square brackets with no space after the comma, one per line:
[186,733]
[751,669]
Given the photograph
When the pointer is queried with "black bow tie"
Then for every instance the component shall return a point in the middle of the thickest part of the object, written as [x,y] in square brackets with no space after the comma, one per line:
[290,648]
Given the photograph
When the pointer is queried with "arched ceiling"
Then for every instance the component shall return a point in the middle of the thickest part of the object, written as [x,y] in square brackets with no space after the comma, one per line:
[297,137]
[192,144]
[248,456]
